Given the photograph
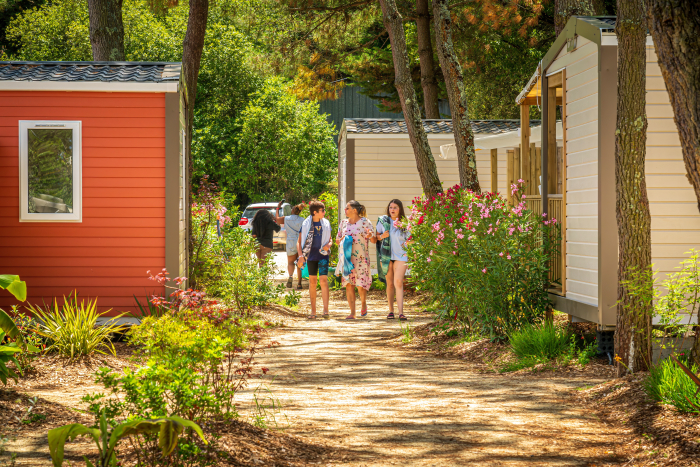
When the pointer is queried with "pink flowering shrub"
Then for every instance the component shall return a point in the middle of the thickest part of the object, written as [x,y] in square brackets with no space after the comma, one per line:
[484,261]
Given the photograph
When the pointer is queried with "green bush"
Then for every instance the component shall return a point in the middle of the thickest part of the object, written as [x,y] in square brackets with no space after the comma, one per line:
[483,261]
[71,329]
[669,384]
[544,342]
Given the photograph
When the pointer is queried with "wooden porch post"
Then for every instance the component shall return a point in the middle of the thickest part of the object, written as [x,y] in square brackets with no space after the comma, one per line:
[545,142]
[494,170]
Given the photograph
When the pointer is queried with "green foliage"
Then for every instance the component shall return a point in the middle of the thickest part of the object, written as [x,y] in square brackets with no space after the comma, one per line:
[670,384]
[266,409]
[226,266]
[292,299]
[407,331]
[483,261]
[15,286]
[544,342]
[377,284]
[168,430]
[71,329]
[7,355]
[148,309]
[28,338]
[285,148]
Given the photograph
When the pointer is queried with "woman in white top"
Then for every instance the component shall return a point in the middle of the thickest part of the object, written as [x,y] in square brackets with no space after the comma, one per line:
[399,260]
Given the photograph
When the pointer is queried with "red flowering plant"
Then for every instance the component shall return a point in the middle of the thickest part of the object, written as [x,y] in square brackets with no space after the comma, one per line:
[484,261]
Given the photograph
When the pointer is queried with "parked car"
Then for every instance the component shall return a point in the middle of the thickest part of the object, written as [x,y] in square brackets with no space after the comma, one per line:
[279,238]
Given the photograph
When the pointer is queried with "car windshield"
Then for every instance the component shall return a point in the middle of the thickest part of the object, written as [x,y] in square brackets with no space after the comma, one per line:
[250,212]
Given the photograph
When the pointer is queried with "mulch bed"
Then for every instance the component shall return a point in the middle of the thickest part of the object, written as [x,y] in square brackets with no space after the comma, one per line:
[656,435]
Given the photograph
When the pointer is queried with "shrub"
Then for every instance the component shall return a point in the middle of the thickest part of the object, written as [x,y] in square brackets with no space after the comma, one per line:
[483,261]
[224,263]
[72,330]
[669,384]
[545,341]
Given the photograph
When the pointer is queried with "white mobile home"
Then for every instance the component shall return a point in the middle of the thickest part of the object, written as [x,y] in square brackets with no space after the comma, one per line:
[579,74]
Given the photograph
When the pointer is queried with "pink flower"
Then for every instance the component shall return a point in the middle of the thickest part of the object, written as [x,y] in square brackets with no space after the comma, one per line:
[508,256]
[500,254]
[429,260]
[484,270]
[520,180]
[454,252]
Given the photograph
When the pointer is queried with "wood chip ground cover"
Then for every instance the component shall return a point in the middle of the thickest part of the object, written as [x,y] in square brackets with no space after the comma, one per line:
[354,394]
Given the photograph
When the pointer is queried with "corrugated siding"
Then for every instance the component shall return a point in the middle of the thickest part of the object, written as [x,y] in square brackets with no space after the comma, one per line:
[675,221]
[582,171]
[122,232]
[352,104]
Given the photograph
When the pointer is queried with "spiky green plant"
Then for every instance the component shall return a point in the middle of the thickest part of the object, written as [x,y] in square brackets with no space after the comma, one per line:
[72,328]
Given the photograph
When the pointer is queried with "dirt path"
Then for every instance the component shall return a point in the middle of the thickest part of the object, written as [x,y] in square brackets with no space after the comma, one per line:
[346,382]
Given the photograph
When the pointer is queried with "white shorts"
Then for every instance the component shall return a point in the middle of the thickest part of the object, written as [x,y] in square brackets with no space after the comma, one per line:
[291,249]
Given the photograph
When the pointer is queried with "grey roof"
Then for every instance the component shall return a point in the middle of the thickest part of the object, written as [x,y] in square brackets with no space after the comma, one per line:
[396,126]
[141,72]
[604,23]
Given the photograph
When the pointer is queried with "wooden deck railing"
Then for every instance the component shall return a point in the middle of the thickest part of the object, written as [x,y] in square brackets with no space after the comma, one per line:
[557,264]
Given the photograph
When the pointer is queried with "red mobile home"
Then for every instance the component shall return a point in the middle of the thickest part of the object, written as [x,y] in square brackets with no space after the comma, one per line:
[93,178]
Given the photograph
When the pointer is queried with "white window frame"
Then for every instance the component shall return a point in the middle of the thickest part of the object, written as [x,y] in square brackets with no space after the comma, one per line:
[77,214]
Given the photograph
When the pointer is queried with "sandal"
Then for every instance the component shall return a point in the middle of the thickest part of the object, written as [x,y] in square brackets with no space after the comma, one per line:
[299,287]
[311,317]
[326,316]
[350,317]
[402,317]
[390,315]
[363,313]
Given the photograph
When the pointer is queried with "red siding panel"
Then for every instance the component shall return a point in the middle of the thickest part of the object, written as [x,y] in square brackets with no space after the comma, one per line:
[123,230]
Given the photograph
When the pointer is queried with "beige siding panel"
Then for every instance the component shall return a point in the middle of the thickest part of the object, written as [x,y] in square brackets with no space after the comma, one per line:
[582,236]
[675,220]
[576,57]
[582,157]
[582,117]
[588,289]
[659,111]
[582,174]
[585,103]
[670,195]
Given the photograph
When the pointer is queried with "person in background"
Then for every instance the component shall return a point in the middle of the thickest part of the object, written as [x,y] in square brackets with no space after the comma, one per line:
[314,247]
[293,226]
[362,232]
[393,244]
[264,227]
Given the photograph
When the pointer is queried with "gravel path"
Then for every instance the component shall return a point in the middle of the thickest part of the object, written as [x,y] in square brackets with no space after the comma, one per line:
[349,383]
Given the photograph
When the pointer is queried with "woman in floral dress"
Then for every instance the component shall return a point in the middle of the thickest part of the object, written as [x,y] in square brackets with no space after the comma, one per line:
[362,232]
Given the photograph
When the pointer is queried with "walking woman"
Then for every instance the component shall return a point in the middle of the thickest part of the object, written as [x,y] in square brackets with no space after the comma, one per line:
[391,255]
[314,247]
[361,231]
[264,227]
[293,226]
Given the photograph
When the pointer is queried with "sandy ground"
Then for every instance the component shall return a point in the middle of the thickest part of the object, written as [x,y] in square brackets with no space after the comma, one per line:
[349,383]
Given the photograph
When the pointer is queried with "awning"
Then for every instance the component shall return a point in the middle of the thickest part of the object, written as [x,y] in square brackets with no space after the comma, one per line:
[509,139]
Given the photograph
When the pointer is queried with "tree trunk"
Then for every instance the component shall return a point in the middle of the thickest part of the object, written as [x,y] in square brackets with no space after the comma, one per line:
[427,61]
[427,169]
[106,30]
[454,81]
[192,47]
[675,28]
[633,331]
[565,9]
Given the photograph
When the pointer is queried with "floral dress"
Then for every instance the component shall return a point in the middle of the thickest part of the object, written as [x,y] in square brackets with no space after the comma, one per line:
[360,276]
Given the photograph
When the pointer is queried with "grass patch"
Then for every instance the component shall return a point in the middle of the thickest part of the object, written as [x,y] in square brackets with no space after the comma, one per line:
[668,384]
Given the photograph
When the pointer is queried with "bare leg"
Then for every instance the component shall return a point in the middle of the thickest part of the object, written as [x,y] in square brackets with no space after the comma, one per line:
[399,273]
[363,298]
[290,264]
[350,292]
[325,293]
[390,287]
[312,293]
[299,273]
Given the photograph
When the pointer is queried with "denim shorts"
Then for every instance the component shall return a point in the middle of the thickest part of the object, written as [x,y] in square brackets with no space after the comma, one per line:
[319,267]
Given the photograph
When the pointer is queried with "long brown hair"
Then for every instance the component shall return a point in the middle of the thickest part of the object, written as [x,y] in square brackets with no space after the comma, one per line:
[397,202]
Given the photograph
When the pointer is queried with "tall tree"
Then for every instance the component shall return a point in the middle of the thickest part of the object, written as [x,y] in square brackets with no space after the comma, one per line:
[565,9]
[454,81]
[427,169]
[675,28]
[633,331]
[106,30]
[428,80]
